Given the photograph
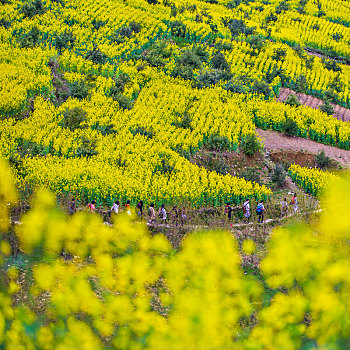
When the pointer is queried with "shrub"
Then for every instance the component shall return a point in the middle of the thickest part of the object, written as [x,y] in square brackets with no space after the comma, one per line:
[251,174]
[274,72]
[337,36]
[282,6]
[177,29]
[257,43]
[124,101]
[142,131]
[104,129]
[223,46]
[278,175]
[250,145]
[206,78]
[27,148]
[97,24]
[200,51]
[218,143]
[336,84]
[237,27]
[217,164]
[189,58]
[120,81]
[126,32]
[31,9]
[64,40]
[185,122]
[290,127]
[301,6]
[292,100]
[301,85]
[326,107]
[79,90]
[157,54]
[330,95]
[87,147]
[233,4]
[5,23]
[182,152]
[95,55]
[279,54]
[261,87]
[322,161]
[236,86]
[30,39]
[73,118]
[164,166]
[184,72]
[271,18]
[331,65]
[219,62]
[135,27]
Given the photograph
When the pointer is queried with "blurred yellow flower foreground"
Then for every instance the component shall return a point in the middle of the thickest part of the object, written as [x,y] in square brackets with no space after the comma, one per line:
[122,288]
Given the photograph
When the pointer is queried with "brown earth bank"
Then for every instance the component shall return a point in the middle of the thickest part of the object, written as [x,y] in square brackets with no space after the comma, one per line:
[340,113]
[275,141]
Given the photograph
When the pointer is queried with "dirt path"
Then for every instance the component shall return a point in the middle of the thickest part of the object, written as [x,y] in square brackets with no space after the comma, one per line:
[275,141]
[320,54]
[340,113]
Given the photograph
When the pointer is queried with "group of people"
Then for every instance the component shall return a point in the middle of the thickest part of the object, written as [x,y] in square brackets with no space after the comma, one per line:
[180,215]
[260,209]
[176,215]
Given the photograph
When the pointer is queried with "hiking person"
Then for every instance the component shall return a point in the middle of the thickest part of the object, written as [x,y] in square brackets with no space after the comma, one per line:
[115,207]
[162,214]
[294,202]
[151,214]
[175,214]
[246,209]
[183,216]
[127,207]
[228,211]
[72,207]
[91,207]
[260,211]
[139,206]
[284,207]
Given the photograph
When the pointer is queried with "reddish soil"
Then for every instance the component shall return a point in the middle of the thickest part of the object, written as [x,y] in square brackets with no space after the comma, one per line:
[275,141]
[340,113]
[287,157]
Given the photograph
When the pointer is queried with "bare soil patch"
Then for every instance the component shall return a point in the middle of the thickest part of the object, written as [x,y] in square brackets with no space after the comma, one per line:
[340,113]
[288,156]
[275,141]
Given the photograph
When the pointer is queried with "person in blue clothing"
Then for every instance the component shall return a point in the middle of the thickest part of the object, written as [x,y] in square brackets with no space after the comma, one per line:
[260,211]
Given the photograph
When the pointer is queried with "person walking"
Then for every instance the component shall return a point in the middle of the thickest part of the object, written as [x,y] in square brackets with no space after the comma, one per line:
[91,207]
[284,207]
[260,209]
[228,211]
[175,215]
[151,214]
[294,203]
[246,210]
[115,207]
[72,207]
[162,214]
[139,206]
[183,216]
[127,207]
